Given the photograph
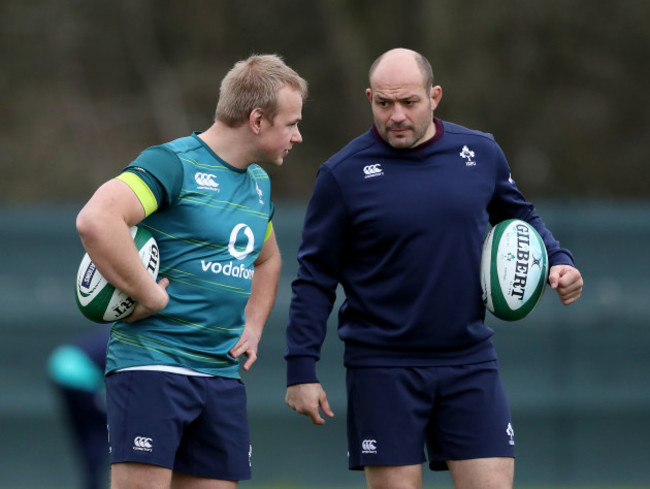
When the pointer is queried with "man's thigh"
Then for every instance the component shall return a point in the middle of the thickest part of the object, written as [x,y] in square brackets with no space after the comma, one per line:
[192,425]
[133,475]
[145,421]
[472,418]
[394,477]
[483,473]
[188,481]
[388,412]
[461,413]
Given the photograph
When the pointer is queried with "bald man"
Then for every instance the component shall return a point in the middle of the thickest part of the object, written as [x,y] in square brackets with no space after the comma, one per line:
[398,217]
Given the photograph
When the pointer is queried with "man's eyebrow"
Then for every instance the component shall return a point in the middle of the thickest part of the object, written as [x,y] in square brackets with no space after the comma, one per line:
[411,96]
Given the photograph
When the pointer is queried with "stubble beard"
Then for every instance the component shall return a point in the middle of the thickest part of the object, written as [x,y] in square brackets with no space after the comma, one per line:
[406,141]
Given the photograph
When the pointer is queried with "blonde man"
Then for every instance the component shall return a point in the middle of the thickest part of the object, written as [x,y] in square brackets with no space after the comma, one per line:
[175,403]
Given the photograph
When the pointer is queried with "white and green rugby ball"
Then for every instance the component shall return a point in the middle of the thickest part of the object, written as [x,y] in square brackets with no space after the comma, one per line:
[98,300]
[514,269]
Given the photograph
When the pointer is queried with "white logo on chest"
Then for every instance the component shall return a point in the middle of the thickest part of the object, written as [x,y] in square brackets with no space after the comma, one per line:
[230,268]
[373,170]
[250,246]
[206,181]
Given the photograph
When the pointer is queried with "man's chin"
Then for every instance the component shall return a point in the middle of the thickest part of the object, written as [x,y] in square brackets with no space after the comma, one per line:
[400,142]
[276,162]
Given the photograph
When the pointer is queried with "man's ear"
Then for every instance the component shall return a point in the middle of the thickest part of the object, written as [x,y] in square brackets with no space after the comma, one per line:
[436,95]
[255,120]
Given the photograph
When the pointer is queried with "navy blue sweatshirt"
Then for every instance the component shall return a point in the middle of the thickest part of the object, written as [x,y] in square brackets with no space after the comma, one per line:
[402,231]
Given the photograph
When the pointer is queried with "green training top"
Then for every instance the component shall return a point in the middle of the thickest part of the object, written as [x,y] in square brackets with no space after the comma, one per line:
[210,221]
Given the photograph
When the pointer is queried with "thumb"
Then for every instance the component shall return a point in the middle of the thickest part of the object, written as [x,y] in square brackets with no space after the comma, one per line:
[554,276]
[325,406]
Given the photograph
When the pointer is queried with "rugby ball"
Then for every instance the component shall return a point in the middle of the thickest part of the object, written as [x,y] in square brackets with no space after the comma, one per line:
[514,269]
[98,300]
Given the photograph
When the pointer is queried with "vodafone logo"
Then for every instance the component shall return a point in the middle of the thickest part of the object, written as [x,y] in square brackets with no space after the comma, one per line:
[373,170]
[250,245]
[240,245]
[143,444]
[206,181]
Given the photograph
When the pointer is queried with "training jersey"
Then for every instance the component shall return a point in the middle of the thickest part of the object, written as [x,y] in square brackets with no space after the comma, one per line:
[210,221]
[402,231]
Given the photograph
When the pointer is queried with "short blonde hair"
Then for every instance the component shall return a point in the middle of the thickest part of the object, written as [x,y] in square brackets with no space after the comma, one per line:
[254,83]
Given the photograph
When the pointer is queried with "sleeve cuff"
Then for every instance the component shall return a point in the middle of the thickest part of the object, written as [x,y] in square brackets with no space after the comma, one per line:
[301,370]
[562,257]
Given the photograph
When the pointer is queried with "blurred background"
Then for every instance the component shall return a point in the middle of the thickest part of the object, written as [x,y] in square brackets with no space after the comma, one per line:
[563,86]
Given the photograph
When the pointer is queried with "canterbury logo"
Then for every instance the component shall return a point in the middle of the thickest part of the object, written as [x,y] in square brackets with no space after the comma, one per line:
[143,443]
[373,170]
[369,446]
[206,180]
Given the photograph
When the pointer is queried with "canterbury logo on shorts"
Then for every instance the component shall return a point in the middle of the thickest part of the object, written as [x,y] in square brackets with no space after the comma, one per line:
[143,444]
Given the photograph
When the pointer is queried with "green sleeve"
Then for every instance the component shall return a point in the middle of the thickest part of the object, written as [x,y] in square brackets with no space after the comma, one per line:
[161,171]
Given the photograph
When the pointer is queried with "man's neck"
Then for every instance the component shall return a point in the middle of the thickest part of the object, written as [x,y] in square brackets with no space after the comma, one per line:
[231,144]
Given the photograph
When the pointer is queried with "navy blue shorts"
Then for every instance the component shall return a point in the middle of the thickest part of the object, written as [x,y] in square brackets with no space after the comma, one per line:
[193,425]
[456,412]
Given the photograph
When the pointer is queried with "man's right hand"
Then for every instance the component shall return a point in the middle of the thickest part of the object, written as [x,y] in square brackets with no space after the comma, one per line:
[309,399]
[158,303]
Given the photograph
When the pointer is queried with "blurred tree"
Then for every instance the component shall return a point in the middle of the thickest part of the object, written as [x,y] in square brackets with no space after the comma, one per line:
[85,86]
[159,79]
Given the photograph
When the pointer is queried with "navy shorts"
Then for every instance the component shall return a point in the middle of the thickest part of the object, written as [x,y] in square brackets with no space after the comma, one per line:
[193,425]
[456,412]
